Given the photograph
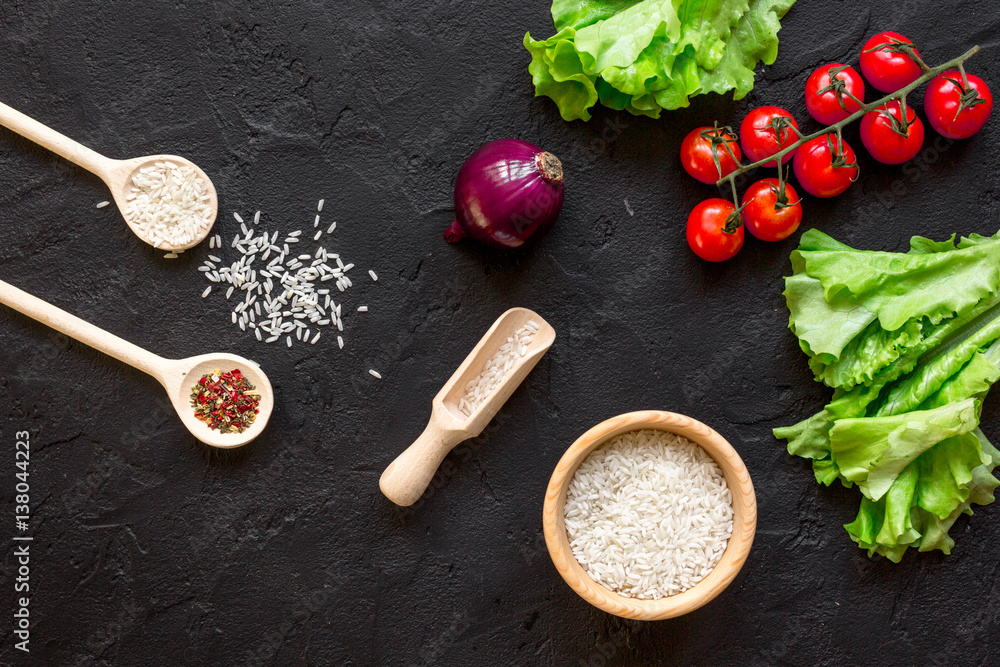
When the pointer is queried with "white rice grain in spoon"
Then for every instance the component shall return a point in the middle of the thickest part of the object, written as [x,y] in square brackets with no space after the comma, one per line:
[168,204]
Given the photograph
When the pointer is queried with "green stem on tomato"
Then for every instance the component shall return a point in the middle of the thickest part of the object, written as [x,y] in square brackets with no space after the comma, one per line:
[965,78]
[928,74]
[912,52]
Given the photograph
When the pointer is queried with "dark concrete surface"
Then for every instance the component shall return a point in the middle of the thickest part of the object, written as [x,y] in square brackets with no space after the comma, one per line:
[149,549]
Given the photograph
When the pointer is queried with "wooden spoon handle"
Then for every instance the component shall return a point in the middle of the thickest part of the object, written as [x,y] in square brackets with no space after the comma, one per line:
[406,478]
[43,135]
[85,332]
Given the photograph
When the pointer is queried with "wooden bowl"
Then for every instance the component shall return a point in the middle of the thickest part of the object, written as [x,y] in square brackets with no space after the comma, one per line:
[744,517]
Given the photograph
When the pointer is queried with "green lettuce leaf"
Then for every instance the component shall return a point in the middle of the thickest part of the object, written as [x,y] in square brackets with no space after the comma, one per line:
[648,55]
[945,474]
[937,368]
[973,381]
[823,329]
[575,14]
[843,335]
[559,73]
[896,522]
[921,245]
[873,451]
[754,39]
[911,344]
[862,358]
[899,287]
[811,437]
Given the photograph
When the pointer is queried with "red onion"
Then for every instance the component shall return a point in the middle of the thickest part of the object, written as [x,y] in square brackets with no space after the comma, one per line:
[505,193]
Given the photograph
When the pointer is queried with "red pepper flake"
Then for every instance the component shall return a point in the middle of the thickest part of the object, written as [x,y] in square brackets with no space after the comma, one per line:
[225,401]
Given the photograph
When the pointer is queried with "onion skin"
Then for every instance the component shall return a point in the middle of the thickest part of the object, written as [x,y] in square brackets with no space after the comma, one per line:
[506,193]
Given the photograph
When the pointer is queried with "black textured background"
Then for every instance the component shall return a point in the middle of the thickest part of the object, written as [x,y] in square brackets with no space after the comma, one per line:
[152,550]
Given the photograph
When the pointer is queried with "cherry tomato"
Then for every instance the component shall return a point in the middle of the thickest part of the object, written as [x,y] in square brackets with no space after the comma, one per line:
[764,217]
[706,231]
[883,135]
[954,110]
[829,92]
[696,153]
[758,138]
[886,66]
[818,172]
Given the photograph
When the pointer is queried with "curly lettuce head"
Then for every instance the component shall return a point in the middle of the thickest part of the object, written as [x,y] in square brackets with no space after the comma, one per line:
[647,56]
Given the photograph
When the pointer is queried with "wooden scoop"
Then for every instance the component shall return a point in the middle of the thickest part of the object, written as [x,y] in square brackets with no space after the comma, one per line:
[406,478]
[117,174]
[176,375]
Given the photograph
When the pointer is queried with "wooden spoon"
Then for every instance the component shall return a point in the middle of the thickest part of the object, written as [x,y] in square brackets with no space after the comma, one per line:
[406,478]
[176,375]
[117,174]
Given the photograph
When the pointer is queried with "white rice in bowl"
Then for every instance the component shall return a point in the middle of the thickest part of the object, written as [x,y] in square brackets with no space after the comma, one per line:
[648,514]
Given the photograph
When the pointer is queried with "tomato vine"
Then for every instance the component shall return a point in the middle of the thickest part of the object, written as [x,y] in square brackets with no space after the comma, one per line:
[928,74]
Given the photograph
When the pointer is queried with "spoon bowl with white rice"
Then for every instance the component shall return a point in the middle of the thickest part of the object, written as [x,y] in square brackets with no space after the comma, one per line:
[167,200]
